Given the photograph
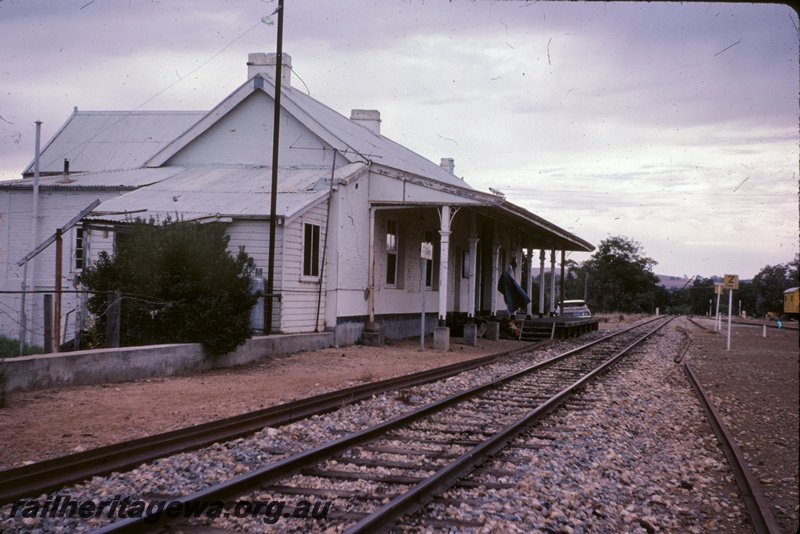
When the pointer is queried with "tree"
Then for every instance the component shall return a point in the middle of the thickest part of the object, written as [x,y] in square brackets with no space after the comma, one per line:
[769,285]
[575,281]
[184,286]
[793,271]
[701,297]
[621,278]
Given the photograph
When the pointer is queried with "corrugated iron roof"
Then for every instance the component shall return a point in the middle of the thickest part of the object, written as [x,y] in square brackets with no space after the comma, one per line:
[96,141]
[354,141]
[233,191]
[370,145]
[106,140]
[124,179]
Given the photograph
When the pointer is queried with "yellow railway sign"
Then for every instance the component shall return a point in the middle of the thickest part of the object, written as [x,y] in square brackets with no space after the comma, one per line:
[730,281]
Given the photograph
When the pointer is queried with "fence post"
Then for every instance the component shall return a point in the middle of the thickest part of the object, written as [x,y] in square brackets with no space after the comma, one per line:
[113,318]
[79,322]
[48,323]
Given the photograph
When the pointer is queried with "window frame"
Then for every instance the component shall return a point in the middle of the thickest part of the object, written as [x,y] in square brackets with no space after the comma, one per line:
[312,236]
[79,250]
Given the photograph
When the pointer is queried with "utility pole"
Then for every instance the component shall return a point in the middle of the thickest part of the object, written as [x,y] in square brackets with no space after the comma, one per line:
[273,201]
[23,323]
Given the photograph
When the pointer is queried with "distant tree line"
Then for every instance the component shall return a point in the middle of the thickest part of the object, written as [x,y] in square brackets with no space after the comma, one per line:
[619,278]
[757,297]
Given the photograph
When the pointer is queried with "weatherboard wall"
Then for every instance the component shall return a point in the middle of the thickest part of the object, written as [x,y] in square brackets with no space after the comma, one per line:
[253,234]
[243,136]
[349,249]
[300,295]
[56,208]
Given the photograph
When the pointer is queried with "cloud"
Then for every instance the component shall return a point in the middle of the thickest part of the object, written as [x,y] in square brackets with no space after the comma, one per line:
[637,119]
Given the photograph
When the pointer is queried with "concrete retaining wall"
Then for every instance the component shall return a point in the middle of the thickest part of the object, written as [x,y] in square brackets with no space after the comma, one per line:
[86,367]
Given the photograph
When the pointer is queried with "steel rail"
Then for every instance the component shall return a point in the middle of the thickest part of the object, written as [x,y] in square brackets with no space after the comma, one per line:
[286,467]
[757,505]
[417,497]
[791,327]
[785,325]
[691,320]
[50,475]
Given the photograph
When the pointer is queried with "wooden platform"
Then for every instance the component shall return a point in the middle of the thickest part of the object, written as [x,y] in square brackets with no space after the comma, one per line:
[535,328]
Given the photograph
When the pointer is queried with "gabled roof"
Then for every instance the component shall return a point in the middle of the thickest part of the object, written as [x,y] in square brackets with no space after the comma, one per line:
[96,141]
[133,150]
[353,140]
[232,191]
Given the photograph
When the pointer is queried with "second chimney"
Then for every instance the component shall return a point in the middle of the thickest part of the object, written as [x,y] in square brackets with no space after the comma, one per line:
[262,63]
[371,118]
[449,165]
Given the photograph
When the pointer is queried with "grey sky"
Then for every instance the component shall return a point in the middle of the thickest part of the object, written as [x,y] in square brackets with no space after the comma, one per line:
[673,124]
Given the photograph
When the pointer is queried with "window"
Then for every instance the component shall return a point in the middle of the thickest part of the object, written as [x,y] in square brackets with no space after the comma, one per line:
[310,249]
[391,252]
[79,236]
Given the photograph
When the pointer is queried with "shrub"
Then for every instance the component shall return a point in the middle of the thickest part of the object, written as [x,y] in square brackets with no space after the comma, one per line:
[182,286]
[9,348]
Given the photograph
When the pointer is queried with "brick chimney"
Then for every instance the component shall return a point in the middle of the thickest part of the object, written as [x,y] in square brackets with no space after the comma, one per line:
[449,165]
[264,64]
[371,118]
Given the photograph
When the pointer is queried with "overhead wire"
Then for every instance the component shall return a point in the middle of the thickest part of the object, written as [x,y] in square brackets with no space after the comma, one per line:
[82,144]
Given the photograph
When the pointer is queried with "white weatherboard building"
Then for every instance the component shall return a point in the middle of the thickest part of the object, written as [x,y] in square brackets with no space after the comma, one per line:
[353,208]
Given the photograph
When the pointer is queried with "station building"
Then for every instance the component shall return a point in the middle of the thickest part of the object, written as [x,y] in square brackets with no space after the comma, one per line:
[353,209]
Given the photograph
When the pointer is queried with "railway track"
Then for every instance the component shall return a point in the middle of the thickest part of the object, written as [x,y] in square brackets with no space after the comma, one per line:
[786,325]
[397,467]
[49,475]
[757,506]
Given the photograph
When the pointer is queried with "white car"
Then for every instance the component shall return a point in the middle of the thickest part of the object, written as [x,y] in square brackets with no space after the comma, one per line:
[574,308]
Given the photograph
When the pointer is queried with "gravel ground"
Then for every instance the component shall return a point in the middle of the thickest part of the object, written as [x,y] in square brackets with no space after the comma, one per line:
[643,462]
[637,457]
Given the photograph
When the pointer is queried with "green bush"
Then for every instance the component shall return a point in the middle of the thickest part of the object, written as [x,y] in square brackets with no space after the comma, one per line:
[10,348]
[181,285]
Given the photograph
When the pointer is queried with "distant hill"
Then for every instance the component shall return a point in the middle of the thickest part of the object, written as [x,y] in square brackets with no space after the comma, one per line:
[673,282]
[666,280]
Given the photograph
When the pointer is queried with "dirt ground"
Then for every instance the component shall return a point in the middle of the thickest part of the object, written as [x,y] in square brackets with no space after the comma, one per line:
[755,386]
[44,424]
